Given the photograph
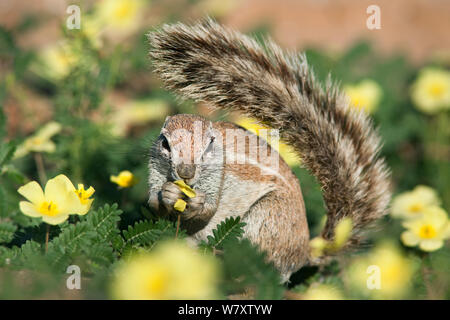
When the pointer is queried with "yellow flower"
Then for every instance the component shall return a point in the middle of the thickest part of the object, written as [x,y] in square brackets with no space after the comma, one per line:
[172,270]
[125,179]
[322,292]
[56,61]
[429,231]
[55,204]
[137,113]
[286,152]
[84,196]
[122,16]
[412,204]
[186,189]
[431,91]
[180,204]
[384,273]
[366,95]
[318,246]
[342,233]
[92,28]
[39,142]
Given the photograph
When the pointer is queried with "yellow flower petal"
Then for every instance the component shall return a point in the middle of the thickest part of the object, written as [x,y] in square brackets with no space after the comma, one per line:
[32,191]
[385,265]
[85,207]
[431,244]
[138,112]
[427,194]
[66,181]
[125,179]
[180,205]
[410,239]
[412,204]
[187,190]
[342,232]
[60,190]
[287,153]
[322,292]
[40,141]
[45,146]
[84,198]
[431,91]
[29,209]
[366,95]
[436,216]
[120,14]
[428,231]
[21,151]
[56,189]
[161,274]
[49,130]
[55,220]
[55,204]
[318,245]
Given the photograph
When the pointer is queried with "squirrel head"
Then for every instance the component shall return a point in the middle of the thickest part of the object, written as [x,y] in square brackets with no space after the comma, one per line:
[188,143]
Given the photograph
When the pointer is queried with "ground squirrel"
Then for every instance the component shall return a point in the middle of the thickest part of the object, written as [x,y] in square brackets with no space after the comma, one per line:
[337,144]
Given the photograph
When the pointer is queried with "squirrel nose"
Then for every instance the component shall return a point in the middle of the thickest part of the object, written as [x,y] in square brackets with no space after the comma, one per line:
[186,171]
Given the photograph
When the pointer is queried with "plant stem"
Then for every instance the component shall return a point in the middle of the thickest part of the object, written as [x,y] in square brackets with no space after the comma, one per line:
[124,197]
[40,167]
[178,225]
[47,235]
[426,272]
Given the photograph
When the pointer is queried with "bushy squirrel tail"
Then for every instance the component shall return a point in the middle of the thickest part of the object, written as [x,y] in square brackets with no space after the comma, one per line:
[336,143]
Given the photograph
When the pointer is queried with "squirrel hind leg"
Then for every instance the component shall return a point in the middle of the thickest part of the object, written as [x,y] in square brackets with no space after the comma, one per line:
[277,225]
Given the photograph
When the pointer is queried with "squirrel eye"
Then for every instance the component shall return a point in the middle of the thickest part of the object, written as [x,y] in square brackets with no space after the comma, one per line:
[165,144]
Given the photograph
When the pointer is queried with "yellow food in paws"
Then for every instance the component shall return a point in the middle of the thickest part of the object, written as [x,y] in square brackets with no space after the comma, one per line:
[185,188]
[180,205]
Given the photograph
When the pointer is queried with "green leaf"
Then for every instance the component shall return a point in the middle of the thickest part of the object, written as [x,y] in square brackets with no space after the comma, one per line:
[5,255]
[7,230]
[2,202]
[14,174]
[104,222]
[146,233]
[7,150]
[29,255]
[62,249]
[100,255]
[228,231]
[246,267]
[30,247]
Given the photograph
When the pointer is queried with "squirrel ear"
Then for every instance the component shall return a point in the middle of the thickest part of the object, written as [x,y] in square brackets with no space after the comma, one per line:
[165,121]
[209,132]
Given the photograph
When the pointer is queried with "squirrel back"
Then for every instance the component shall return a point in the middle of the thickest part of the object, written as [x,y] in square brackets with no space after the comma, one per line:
[336,143]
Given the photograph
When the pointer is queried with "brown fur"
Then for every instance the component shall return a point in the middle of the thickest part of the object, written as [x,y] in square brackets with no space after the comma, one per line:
[337,144]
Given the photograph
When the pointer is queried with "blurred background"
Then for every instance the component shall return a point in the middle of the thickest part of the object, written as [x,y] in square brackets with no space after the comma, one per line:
[96,83]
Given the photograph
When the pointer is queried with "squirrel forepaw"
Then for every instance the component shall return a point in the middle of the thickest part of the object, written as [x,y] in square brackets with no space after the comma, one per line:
[194,205]
[170,193]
